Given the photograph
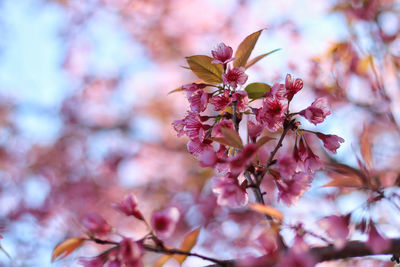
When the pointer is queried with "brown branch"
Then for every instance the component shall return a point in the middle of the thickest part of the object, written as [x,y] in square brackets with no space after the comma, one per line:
[351,250]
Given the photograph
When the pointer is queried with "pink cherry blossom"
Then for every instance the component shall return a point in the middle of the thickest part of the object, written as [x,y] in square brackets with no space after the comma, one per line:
[277,91]
[293,258]
[376,242]
[96,224]
[208,158]
[241,99]
[198,101]
[192,87]
[164,221]
[243,158]
[287,166]
[317,112]
[222,54]
[254,130]
[224,123]
[128,206]
[234,77]
[193,127]
[337,228]
[229,192]
[221,101]
[130,253]
[312,162]
[92,262]
[331,141]
[179,126]
[292,87]
[292,189]
[272,113]
[196,146]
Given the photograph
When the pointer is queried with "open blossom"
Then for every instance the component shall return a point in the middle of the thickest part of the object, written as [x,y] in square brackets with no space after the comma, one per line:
[197,146]
[234,77]
[291,189]
[128,206]
[272,113]
[277,91]
[221,101]
[242,159]
[208,158]
[331,141]
[337,228]
[376,242]
[241,99]
[192,87]
[164,221]
[312,162]
[130,253]
[198,101]
[229,192]
[224,123]
[96,224]
[292,87]
[317,112]
[222,54]
[192,126]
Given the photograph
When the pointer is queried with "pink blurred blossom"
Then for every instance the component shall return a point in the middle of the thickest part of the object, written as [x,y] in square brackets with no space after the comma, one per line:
[241,99]
[376,242]
[331,141]
[96,224]
[317,112]
[292,189]
[164,221]
[229,192]
[130,253]
[128,206]
[337,228]
[224,123]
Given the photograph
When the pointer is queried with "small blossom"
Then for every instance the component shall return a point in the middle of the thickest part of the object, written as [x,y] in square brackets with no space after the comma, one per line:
[292,189]
[198,101]
[222,54]
[376,242]
[208,158]
[337,228]
[234,77]
[193,127]
[192,87]
[179,126]
[302,152]
[224,123]
[128,206]
[242,159]
[164,221]
[277,91]
[287,166]
[96,224]
[312,162]
[331,141]
[292,87]
[196,146]
[229,192]
[272,113]
[254,130]
[221,101]
[130,253]
[92,262]
[317,112]
[241,99]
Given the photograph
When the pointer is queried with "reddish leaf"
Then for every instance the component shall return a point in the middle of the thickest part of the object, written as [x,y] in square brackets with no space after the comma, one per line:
[188,243]
[245,48]
[64,248]
[258,58]
[202,67]
[267,210]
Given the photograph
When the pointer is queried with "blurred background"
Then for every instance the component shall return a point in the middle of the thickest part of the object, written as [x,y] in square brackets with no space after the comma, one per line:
[85,115]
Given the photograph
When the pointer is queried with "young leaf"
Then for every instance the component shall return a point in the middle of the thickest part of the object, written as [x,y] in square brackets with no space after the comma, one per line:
[340,180]
[263,140]
[267,210]
[188,243]
[202,67]
[64,248]
[258,58]
[161,261]
[366,146]
[175,90]
[245,48]
[257,90]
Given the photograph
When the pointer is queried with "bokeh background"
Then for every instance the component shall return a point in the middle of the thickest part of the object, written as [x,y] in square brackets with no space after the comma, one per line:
[85,115]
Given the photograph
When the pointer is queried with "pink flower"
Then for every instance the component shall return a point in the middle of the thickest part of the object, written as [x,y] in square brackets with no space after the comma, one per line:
[229,192]
[221,101]
[234,76]
[337,228]
[292,189]
[130,253]
[376,242]
[222,54]
[287,166]
[272,113]
[254,130]
[196,147]
[241,99]
[92,262]
[198,101]
[224,123]
[128,206]
[164,221]
[179,126]
[192,87]
[208,158]
[292,87]
[277,91]
[317,112]
[96,224]
[312,162]
[242,159]
[293,258]
[193,127]
[331,141]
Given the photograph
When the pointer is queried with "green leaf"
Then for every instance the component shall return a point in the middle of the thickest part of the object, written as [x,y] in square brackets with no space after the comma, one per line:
[258,58]
[257,90]
[202,67]
[245,48]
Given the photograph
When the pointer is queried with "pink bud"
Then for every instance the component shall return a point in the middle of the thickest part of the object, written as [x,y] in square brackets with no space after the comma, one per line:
[96,224]
[331,142]
[317,112]
[164,221]
[128,206]
[222,54]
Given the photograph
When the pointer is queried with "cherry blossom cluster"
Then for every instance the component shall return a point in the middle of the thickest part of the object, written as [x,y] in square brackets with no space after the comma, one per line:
[218,111]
